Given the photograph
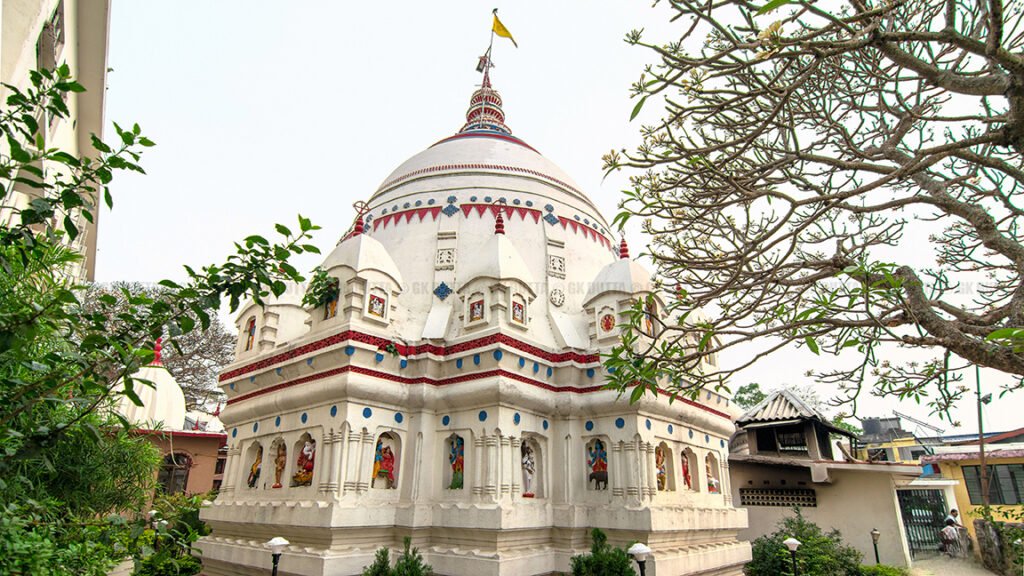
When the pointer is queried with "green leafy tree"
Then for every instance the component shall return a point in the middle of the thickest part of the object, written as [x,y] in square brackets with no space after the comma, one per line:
[748,395]
[820,553]
[409,563]
[68,469]
[381,564]
[603,560]
[843,178]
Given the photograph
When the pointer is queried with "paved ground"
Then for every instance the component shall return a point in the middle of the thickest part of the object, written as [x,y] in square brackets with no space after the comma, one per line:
[943,566]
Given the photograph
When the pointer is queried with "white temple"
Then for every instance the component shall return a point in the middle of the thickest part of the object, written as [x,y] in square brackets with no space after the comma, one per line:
[453,392]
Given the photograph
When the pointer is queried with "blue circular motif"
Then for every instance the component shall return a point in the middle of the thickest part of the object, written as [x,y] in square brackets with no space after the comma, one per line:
[586,221]
[252,379]
[476,359]
[385,211]
[350,350]
[497,354]
[452,199]
[709,396]
[419,203]
[577,217]
[487,199]
[502,200]
[718,399]
[707,438]
[550,371]
[446,420]
[536,367]
[648,423]
[516,418]
[590,372]
[691,433]
[309,361]
[589,425]
[277,371]
[399,417]
[378,358]
[458,363]
[529,202]
[304,417]
[549,208]
[545,424]
[482,415]
[255,426]
[234,432]
[522,362]
[406,205]
[620,423]
[403,363]
[516,201]
[721,443]
[611,370]
[472,198]
[430,202]
[334,411]
[670,428]
[395,207]
[232,385]
[277,421]
[367,412]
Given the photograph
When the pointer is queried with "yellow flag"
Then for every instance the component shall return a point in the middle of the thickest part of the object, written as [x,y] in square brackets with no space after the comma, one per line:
[500,30]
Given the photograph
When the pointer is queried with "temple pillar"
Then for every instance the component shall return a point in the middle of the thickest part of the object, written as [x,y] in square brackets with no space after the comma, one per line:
[491,447]
[479,463]
[725,483]
[335,470]
[617,480]
[651,467]
[324,461]
[350,483]
[516,466]
[504,467]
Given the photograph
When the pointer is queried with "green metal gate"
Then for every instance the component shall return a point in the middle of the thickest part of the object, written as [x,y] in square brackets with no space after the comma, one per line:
[924,514]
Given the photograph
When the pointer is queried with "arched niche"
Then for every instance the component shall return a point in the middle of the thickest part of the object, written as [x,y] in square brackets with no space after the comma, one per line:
[254,456]
[664,468]
[711,468]
[279,456]
[597,464]
[331,305]
[688,467]
[518,313]
[455,457]
[249,335]
[386,454]
[305,461]
[532,467]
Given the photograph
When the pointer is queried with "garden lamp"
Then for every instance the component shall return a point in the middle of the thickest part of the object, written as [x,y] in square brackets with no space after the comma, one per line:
[793,544]
[640,552]
[874,540]
[277,546]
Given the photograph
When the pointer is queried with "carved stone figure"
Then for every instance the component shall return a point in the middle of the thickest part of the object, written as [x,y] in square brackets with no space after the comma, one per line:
[712,481]
[304,464]
[384,464]
[456,457]
[254,471]
[659,461]
[686,471]
[598,462]
[279,463]
[529,470]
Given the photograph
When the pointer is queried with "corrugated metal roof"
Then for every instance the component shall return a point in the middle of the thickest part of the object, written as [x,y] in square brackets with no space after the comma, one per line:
[780,405]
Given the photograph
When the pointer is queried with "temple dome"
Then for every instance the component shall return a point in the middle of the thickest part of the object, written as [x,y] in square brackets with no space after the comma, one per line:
[624,276]
[163,402]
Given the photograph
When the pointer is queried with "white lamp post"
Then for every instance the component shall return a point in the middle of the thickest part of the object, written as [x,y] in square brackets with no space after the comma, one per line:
[793,544]
[875,535]
[277,546]
[640,552]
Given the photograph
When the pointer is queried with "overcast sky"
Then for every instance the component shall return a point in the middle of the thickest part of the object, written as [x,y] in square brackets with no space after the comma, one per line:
[265,110]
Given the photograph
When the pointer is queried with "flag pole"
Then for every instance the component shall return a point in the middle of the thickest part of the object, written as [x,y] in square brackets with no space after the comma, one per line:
[487,69]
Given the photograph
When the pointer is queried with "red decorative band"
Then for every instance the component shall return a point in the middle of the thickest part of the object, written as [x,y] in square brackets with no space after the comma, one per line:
[378,342]
[587,230]
[441,382]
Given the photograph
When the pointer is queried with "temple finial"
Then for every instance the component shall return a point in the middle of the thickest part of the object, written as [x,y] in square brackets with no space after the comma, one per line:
[499,224]
[158,352]
[623,249]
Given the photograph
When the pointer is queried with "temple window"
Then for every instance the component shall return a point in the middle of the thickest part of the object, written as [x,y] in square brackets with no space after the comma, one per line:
[305,460]
[173,476]
[255,465]
[455,455]
[331,305]
[688,463]
[711,469]
[517,310]
[279,452]
[664,469]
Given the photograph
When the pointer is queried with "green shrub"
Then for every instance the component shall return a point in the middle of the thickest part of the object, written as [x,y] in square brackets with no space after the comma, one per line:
[882,570]
[603,560]
[409,563]
[820,553]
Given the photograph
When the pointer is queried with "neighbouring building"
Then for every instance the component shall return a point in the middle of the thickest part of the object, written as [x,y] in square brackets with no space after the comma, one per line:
[451,390]
[782,456]
[193,445]
[37,34]
[1004,459]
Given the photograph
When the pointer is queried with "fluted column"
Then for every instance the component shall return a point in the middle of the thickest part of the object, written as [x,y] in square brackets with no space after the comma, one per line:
[335,470]
[479,463]
[491,447]
[632,472]
[365,469]
[504,468]
[651,467]
[516,467]
[324,461]
[227,485]
[617,477]
[725,481]
[350,483]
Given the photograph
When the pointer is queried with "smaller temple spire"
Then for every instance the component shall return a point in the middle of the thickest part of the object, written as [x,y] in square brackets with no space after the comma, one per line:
[358,229]
[499,224]
[623,249]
